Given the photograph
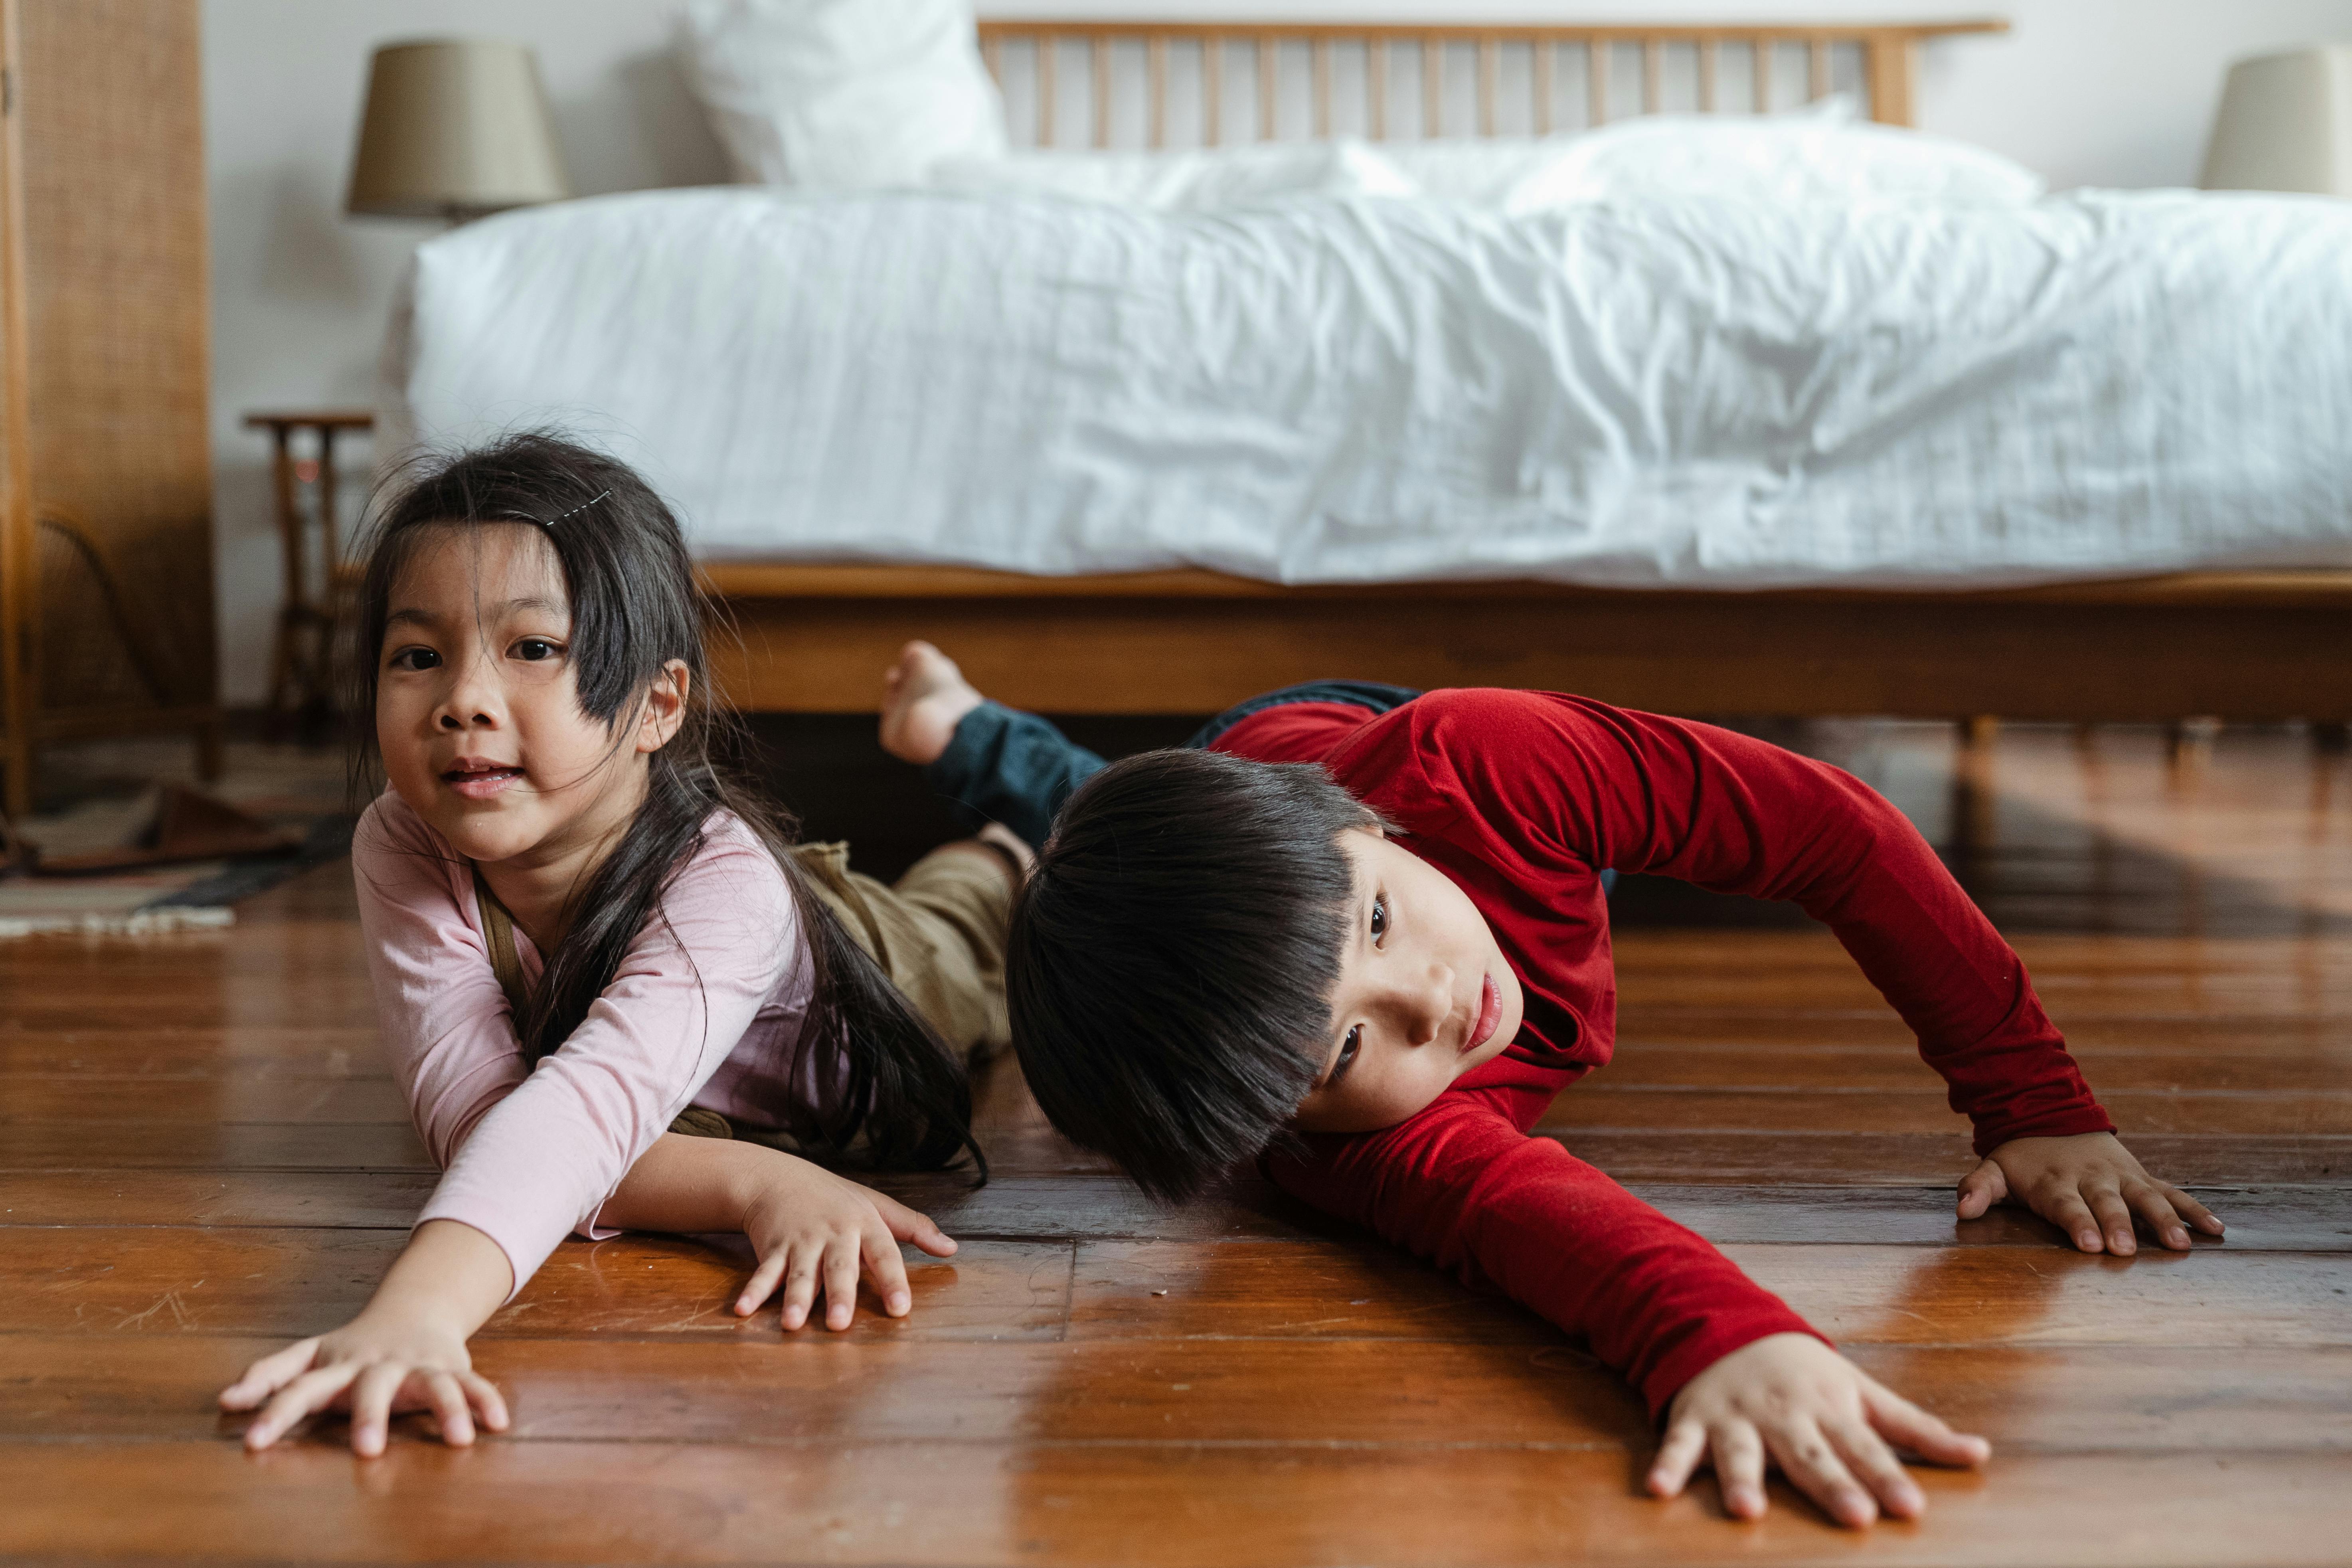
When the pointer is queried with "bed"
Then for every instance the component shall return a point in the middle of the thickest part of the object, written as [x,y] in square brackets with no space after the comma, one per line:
[1956,456]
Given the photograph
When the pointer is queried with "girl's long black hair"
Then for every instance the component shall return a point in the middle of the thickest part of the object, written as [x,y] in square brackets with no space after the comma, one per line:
[637,603]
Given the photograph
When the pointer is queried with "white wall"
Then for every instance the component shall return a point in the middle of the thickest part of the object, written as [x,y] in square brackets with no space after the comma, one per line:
[2110,92]
[299,291]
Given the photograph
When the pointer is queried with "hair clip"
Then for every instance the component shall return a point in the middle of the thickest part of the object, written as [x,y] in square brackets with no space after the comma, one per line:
[583,506]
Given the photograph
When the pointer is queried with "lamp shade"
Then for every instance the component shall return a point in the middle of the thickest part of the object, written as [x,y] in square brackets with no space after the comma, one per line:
[455,128]
[2286,124]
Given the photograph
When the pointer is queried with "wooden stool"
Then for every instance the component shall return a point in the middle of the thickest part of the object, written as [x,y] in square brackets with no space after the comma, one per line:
[303,654]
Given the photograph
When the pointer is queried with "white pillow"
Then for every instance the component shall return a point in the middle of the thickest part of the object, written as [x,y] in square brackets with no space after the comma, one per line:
[844,93]
[1187,181]
[1486,171]
[1787,159]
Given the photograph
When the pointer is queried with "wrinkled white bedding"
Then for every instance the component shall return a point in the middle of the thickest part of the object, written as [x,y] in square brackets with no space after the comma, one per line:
[1681,390]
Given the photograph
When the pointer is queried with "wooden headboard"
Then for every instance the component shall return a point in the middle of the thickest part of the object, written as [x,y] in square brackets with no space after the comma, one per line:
[1549,69]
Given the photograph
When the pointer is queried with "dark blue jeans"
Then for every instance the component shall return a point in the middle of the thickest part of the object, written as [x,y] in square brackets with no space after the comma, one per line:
[1004,765]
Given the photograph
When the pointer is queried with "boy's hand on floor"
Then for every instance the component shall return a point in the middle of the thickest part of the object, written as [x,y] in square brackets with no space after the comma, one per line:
[2089,1186]
[812,1229]
[1790,1400]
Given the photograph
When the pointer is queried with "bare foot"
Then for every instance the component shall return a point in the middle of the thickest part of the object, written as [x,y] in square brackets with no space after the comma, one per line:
[924,695]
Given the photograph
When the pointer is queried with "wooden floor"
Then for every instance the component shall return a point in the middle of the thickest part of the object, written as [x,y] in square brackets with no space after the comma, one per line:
[201,1157]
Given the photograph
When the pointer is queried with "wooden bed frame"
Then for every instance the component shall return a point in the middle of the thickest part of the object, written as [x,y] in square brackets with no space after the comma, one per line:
[814,637]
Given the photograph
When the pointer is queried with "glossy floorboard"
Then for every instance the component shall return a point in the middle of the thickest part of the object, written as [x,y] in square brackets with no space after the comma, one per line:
[202,1155]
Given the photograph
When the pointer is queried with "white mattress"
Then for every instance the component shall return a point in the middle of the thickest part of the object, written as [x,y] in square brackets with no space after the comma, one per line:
[1681,391]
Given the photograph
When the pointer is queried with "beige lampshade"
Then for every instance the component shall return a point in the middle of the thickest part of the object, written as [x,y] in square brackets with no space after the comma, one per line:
[455,128]
[2286,124]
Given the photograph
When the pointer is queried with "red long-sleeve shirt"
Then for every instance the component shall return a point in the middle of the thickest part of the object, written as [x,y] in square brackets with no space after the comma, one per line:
[1521,798]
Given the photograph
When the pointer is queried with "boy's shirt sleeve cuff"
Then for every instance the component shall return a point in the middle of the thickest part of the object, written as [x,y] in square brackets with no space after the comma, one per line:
[1701,1343]
[2069,1122]
[1464,1187]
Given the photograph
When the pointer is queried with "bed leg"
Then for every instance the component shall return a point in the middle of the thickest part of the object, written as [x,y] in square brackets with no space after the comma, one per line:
[2189,743]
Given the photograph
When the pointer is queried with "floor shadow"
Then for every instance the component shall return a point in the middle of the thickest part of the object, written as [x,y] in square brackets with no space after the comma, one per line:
[2032,869]
[829,769]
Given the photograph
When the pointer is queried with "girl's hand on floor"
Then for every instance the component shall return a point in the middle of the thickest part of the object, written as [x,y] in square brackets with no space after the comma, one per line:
[812,1229]
[375,1370]
[1790,1400]
[2089,1186]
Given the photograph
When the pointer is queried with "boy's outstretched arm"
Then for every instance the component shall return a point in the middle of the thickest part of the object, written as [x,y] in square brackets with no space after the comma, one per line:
[1585,786]
[1742,1380]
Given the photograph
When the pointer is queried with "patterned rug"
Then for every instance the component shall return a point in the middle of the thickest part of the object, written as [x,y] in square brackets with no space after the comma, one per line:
[100,796]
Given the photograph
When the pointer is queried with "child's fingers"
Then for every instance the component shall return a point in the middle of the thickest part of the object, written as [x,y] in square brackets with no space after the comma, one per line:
[270,1372]
[1867,1457]
[1740,1467]
[840,1283]
[2115,1219]
[912,1225]
[2192,1211]
[486,1399]
[1982,1188]
[799,1286]
[762,1283]
[1812,1466]
[312,1391]
[1906,1425]
[2067,1211]
[450,1409]
[2151,1206]
[888,1270]
[372,1406]
[1678,1455]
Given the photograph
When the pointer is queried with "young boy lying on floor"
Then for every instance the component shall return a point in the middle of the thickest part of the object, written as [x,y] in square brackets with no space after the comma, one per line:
[1360,933]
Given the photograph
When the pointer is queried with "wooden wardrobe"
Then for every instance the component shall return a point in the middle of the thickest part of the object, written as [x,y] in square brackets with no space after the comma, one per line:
[106,554]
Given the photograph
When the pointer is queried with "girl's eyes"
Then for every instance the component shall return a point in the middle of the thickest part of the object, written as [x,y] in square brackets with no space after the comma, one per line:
[1379,918]
[531,650]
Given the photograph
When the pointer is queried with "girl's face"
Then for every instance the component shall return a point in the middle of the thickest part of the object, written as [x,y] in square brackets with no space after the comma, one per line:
[1424,993]
[477,712]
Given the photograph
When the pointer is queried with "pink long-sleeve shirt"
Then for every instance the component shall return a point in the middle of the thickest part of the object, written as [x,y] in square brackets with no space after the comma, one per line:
[706,1010]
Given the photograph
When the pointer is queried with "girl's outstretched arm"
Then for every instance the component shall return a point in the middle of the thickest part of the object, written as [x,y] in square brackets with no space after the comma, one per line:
[405,1351]
[809,1227]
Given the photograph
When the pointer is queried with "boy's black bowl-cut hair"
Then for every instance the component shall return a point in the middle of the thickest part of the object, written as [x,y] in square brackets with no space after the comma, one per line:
[1173,958]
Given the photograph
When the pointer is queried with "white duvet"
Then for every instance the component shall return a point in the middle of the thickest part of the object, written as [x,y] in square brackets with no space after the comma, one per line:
[1685,389]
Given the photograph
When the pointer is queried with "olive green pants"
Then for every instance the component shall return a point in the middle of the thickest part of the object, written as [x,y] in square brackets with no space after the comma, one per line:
[938,931]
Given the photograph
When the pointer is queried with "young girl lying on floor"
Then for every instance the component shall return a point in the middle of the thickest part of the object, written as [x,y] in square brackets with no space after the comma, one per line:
[615,994]
[1375,970]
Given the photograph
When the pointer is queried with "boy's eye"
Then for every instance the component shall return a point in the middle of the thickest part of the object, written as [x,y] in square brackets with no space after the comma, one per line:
[1379,918]
[533,649]
[414,659]
[1348,1048]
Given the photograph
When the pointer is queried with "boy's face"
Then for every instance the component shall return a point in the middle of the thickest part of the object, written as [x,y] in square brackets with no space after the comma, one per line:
[1424,993]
